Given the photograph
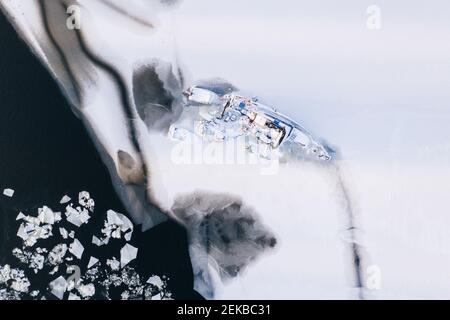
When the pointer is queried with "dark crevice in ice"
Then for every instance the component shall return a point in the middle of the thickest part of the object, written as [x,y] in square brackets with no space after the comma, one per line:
[352,230]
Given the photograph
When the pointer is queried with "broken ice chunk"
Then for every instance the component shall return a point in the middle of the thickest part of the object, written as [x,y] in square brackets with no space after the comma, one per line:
[127,254]
[115,225]
[20,216]
[118,219]
[31,230]
[73,297]
[64,233]
[5,273]
[92,261]
[84,216]
[34,293]
[15,278]
[76,248]
[58,287]
[65,199]
[8,192]
[54,270]
[47,216]
[56,256]
[156,281]
[84,198]
[77,216]
[22,256]
[116,234]
[20,283]
[37,262]
[97,241]
[21,233]
[87,290]
[113,264]
[157,297]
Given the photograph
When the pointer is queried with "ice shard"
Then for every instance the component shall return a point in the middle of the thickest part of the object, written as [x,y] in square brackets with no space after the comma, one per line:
[232,115]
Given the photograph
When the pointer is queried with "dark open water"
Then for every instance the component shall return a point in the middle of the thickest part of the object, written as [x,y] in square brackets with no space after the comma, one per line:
[45,153]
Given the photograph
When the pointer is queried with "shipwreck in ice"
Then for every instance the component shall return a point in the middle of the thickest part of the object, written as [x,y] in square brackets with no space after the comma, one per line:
[216,115]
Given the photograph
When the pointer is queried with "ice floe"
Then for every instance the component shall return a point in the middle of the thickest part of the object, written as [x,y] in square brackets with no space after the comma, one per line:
[8,192]
[76,248]
[127,254]
[58,287]
[65,199]
[92,262]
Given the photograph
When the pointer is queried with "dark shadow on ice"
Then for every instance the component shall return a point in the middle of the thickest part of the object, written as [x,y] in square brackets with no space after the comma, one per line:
[225,236]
